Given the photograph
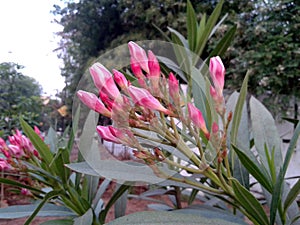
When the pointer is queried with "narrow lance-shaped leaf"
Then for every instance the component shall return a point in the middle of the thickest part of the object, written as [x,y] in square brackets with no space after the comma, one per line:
[254,169]
[276,197]
[208,28]
[191,26]
[224,43]
[250,204]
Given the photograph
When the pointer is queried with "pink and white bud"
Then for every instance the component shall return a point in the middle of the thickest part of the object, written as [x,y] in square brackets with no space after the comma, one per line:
[4,148]
[136,69]
[142,97]
[153,65]
[197,118]
[217,73]
[104,81]
[120,79]
[139,56]
[15,151]
[105,134]
[93,102]
[174,89]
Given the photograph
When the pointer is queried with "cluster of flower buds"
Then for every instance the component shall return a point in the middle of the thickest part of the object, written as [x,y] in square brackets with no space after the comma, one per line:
[18,146]
[137,106]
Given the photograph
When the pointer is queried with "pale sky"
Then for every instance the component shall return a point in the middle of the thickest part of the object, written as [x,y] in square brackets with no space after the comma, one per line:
[27,38]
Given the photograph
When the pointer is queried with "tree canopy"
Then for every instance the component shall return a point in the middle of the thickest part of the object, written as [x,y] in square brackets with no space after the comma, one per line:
[18,94]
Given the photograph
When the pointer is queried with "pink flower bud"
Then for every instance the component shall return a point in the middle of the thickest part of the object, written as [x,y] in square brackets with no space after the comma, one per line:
[215,128]
[120,79]
[104,81]
[153,65]
[15,151]
[25,192]
[174,89]
[4,165]
[106,100]
[38,132]
[197,118]
[217,73]
[105,134]
[142,97]
[93,102]
[136,69]
[139,56]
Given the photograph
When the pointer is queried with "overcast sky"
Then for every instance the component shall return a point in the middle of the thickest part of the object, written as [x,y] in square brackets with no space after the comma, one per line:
[27,38]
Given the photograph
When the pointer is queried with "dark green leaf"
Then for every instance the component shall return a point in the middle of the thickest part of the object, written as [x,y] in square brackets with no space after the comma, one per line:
[276,197]
[192,26]
[249,203]
[223,44]
[253,169]
[58,222]
[292,195]
[48,196]
[38,143]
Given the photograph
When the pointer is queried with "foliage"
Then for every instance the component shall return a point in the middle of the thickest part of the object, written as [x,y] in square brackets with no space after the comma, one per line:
[18,93]
[267,45]
[60,191]
[90,27]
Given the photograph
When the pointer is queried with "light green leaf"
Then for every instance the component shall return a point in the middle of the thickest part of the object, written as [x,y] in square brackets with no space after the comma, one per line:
[169,218]
[249,203]
[113,169]
[85,219]
[51,139]
[291,148]
[265,133]
[121,203]
[20,211]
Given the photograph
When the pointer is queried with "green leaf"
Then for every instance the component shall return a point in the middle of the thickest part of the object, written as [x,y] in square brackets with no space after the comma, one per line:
[276,197]
[118,193]
[58,222]
[112,169]
[192,26]
[291,148]
[17,184]
[208,28]
[51,140]
[85,219]
[239,136]
[224,43]
[48,196]
[121,203]
[292,195]
[254,170]
[19,211]
[249,203]
[169,218]
[37,142]
[265,133]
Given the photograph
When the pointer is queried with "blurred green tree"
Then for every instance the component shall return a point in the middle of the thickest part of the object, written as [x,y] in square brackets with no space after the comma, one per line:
[19,94]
